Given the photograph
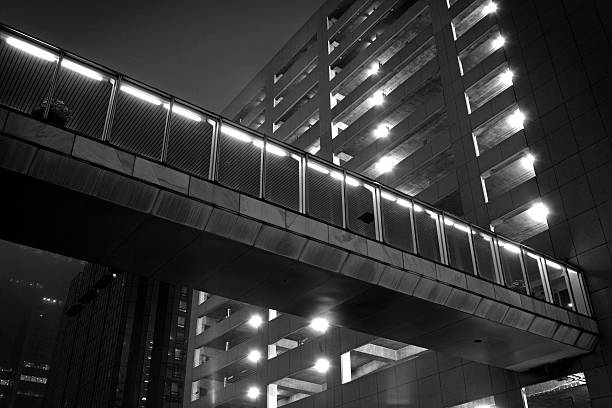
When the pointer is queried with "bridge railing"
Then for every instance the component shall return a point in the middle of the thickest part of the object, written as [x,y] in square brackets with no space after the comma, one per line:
[62,88]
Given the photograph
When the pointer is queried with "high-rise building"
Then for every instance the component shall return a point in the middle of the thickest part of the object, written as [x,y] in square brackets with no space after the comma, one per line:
[122,342]
[495,111]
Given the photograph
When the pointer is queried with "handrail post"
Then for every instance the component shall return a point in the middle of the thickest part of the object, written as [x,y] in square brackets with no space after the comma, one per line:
[166,137]
[53,85]
[110,112]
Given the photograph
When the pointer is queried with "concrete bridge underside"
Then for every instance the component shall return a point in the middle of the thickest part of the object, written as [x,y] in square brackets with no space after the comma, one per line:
[85,199]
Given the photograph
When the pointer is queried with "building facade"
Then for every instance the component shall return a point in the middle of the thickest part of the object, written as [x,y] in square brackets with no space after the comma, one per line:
[121,344]
[496,111]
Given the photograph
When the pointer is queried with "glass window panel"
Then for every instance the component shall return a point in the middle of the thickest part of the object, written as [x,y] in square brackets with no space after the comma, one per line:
[426,222]
[458,244]
[510,257]
[25,78]
[239,162]
[282,181]
[580,300]
[360,207]
[190,141]
[324,192]
[139,121]
[533,269]
[397,224]
[485,255]
[559,287]
[86,92]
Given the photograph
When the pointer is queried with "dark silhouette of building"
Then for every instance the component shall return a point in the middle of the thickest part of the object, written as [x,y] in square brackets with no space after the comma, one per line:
[121,343]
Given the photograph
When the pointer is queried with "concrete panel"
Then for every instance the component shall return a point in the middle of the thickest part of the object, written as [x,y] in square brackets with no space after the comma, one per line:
[39,132]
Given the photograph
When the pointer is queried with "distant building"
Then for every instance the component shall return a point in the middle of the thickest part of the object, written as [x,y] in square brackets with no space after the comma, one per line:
[121,343]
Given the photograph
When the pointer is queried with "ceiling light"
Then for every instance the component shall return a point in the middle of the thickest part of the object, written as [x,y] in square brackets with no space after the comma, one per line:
[385,164]
[253,393]
[489,8]
[373,70]
[516,119]
[235,133]
[147,97]
[506,77]
[186,113]
[255,321]
[319,324]
[378,98]
[80,69]
[498,42]
[31,49]
[322,365]
[254,356]
[527,161]
[538,212]
[381,131]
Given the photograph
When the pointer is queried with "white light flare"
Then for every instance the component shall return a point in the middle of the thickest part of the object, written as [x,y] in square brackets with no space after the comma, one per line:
[142,95]
[385,164]
[186,113]
[381,131]
[506,77]
[31,49]
[538,212]
[491,7]
[255,321]
[80,69]
[498,42]
[322,365]
[319,324]
[516,119]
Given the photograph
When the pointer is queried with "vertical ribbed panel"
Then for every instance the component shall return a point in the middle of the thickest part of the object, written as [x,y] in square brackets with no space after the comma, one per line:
[360,209]
[458,245]
[324,196]
[397,225]
[87,98]
[532,270]
[485,258]
[138,125]
[426,224]
[510,258]
[24,79]
[557,278]
[239,164]
[282,178]
[189,145]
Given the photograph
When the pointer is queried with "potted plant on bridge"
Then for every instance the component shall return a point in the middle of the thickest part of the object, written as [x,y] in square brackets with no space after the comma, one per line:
[59,113]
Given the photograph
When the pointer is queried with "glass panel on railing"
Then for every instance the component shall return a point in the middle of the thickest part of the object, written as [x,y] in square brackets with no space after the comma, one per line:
[427,232]
[239,160]
[534,271]
[190,137]
[26,70]
[396,221]
[458,245]
[559,287]
[510,258]
[484,253]
[360,207]
[324,192]
[86,92]
[580,298]
[282,178]
[139,121]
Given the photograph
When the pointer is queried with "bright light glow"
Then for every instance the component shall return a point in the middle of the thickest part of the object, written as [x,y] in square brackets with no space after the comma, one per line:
[462,227]
[147,97]
[352,182]
[553,264]
[404,203]
[317,167]
[532,256]
[319,324]
[336,175]
[448,221]
[254,356]
[510,248]
[498,42]
[253,393]
[381,131]
[31,49]
[322,365]
[385,165]
[275,150]
[378,98]
[258,143]
[186,113]
[506,77]
[417,208]
[488,9]
[527,161]
[373,70]
[255,321]
[235,133]
[432,214]
[538,212]
[387,196]
[516,119]
[80,69]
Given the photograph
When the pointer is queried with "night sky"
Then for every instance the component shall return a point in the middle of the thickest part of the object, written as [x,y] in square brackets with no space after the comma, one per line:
[203,51]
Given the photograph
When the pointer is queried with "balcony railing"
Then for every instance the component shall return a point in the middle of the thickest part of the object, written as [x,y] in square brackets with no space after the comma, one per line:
[131,116]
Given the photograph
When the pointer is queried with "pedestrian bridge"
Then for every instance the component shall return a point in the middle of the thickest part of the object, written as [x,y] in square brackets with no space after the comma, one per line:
[118,173]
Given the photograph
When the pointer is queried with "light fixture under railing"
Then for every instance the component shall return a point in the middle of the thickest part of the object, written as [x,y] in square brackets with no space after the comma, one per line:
[336,175]
[553,265]
[31,49]
[509,247]
[317,167]
[352,182]
[186,113]
[275,150]
[142,95]
[80,69]
[387,196]
[403,203]
[417,208]
[235,133]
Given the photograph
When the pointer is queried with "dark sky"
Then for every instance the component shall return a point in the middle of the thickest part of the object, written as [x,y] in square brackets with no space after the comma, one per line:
[202,51]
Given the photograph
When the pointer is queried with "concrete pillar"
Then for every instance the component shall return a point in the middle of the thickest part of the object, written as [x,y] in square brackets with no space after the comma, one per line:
[345,367]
